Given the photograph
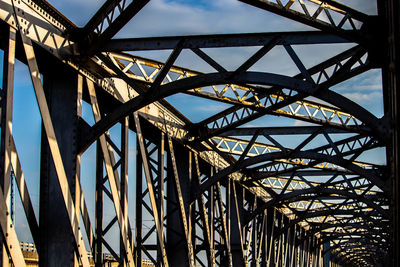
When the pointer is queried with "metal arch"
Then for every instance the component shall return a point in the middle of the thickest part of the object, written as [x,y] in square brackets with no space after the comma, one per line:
[252,105]
[356,243]
[333,237]
[348,226]
[319,68]
[297,195]
[308,214]
[178,86]
[361,247]
[370,228]
[293,184]
[235,146]
[342,238]
[221,78]
[317,227]
[306,17]
[279,155]
[360,250]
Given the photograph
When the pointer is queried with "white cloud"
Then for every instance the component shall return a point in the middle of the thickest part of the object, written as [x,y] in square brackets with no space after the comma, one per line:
[367,81]
[363,98]
[162,18]
[302,123]
[365,6]
[211,108]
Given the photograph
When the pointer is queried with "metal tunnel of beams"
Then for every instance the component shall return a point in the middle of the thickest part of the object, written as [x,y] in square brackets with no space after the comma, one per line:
[216,192]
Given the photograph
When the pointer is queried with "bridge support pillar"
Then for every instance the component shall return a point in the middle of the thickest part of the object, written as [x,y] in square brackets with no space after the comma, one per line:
[236,218]
[177,249]
[56,239]
[388,11]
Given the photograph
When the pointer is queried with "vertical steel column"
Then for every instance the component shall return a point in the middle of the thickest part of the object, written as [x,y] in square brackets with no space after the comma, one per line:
[307,251]
[210,207]
[56,238]
[271,212]
[6,125]
[225,248]
[254,237]
[124,181]
[204,217]
[296,247]
[147,163]
[319,253]
[139,194]
[388,12]
[293,246]
[78,190]
[98,248]
[302,248]
[289,245]
[236,216]
[193,212]
[278,257]
[160,190]
[178,251]
[264,249]
[286,242]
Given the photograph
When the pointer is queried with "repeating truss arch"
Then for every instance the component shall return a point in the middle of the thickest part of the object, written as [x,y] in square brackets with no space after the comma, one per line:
[218,195]
[368,174]
[328,212]
[230,77]
[313,193]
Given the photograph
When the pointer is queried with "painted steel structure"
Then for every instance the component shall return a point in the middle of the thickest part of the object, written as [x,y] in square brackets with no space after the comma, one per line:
[219,194]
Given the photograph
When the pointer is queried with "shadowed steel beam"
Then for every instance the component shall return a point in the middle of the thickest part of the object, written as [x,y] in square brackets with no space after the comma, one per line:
[54,148]
[347,227]
[185,84]
[302,194]
[290,130]
[221,40]
[292,184]
[306,154]
[246,114]
[255,101]
[204,217]
[116,197]
[388,12]
[145,162]
[222,78]
[340,18]
[182,204]
[347,147]
[304,215]
[352,243]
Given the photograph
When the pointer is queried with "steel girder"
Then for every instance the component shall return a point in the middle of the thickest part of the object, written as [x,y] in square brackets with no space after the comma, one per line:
[340,17]
[232,181]
[254,102]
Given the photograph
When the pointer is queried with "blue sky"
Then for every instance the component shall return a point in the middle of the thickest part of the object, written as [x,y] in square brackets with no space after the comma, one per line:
[166,18]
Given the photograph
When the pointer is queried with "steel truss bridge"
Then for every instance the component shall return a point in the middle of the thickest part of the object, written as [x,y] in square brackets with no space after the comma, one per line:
[217,192]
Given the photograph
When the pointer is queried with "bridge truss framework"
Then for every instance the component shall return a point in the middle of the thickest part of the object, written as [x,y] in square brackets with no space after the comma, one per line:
[216,193]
